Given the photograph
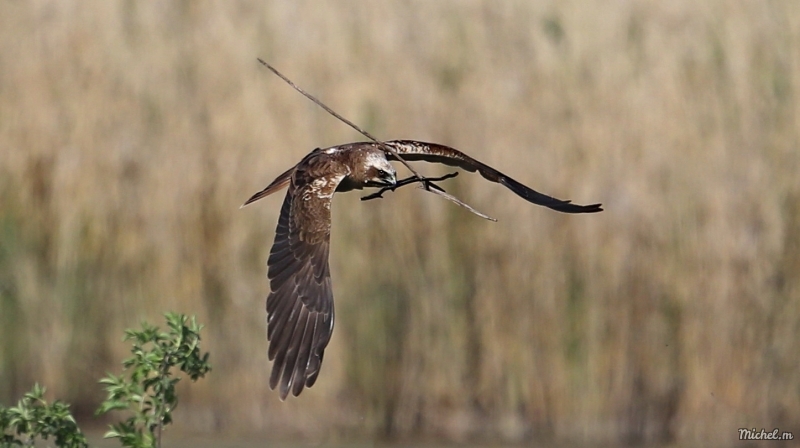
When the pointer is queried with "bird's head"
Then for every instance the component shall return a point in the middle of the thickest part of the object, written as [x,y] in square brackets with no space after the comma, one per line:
[378,172]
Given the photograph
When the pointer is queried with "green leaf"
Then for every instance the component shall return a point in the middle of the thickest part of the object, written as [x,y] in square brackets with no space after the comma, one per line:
[147,388]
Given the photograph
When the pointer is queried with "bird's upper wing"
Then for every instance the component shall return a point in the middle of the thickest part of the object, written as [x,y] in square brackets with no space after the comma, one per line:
[300,304]
[411,150]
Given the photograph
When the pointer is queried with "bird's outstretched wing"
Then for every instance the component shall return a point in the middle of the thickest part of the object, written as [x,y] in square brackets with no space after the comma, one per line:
[411,150]
[300,304]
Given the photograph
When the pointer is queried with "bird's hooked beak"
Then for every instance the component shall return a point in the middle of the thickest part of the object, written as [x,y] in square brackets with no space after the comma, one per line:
[390,178]
[383,178]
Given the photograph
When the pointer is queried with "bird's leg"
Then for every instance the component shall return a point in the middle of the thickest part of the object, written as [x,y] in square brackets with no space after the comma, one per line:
[427,183]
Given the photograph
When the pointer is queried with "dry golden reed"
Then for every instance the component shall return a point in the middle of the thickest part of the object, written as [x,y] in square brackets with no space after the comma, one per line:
[130,133]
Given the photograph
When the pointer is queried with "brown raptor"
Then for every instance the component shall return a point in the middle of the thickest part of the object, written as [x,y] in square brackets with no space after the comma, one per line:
[300,304]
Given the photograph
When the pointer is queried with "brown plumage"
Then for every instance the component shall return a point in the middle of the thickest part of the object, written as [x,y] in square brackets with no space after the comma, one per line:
[300,304]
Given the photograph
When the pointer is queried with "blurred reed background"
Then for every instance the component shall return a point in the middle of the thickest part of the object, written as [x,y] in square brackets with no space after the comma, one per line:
[130,133]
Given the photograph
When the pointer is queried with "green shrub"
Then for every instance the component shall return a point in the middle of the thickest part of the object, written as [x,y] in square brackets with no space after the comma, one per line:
[32,418]
[146,389]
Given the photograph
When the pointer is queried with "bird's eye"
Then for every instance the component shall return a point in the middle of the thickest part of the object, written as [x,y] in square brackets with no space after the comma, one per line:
[381,172]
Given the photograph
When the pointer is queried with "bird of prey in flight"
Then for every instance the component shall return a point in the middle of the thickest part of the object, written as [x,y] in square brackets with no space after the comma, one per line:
[300,302]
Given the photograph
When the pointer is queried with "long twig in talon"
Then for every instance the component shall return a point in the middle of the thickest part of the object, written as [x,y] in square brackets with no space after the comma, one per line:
[409,181]
[426,184]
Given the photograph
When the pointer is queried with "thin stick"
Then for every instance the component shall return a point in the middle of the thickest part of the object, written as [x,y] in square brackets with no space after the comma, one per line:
[341,118]
[407,181]
[436,189]
[454,199]
[426,183]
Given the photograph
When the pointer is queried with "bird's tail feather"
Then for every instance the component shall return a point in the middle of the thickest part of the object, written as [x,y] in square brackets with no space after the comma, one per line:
[279,183]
